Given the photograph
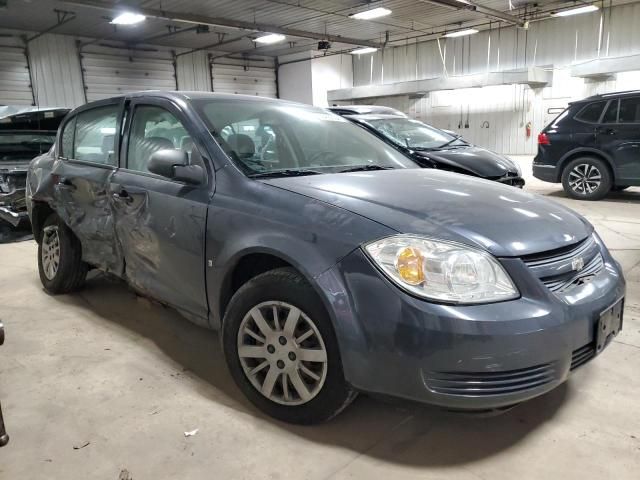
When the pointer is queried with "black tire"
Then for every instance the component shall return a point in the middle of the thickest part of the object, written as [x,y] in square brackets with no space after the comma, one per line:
[619,188]
[580,191]
[71,271]
[288,286]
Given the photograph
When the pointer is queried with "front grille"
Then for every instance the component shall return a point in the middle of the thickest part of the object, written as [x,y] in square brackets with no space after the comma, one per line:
[564,269]
[490,383]
[582,355]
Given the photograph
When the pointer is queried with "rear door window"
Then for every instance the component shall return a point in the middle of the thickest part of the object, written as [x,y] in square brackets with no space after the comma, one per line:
[629,110]
[95,135]
[591,113]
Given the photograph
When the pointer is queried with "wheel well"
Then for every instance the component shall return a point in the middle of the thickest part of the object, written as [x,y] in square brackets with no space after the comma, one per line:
[248,267]
[573,156]
[39,213]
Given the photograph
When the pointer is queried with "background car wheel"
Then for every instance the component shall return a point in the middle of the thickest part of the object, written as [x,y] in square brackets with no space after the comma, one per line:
[60,258]
[281,349]
[587,178]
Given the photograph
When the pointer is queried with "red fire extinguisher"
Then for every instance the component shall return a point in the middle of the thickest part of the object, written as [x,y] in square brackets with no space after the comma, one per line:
[528,130]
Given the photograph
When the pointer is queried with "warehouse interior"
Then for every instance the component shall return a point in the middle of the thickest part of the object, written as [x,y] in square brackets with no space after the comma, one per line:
[106,383]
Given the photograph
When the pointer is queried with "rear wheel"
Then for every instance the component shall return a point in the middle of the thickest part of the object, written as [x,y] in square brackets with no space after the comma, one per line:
[60,262]
[281,349]
[587,178]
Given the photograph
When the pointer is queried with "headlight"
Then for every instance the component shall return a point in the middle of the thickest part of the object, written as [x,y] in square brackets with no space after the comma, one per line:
[442,271]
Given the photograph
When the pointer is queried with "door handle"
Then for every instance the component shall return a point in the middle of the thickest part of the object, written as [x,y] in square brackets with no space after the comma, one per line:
[123,195]
[65,184]
[607,131]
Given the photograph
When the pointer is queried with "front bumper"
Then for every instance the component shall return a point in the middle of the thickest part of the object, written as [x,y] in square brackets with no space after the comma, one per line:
[463,357]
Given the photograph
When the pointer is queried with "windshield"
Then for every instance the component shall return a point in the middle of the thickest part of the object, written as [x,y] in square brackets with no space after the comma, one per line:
[273,138]
[413,134]
[24,146]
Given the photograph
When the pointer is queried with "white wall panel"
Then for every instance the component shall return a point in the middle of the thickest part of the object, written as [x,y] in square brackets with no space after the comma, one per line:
[244,79]
[15,84]
[193,72]
[112,72]
[55,71]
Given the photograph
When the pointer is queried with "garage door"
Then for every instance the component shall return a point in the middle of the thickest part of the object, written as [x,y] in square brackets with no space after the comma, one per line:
[15,84]
[246,80]
[107,75]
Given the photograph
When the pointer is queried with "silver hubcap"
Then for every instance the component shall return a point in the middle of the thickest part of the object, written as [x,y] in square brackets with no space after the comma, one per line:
[584,178]
[50,251]
[282,353]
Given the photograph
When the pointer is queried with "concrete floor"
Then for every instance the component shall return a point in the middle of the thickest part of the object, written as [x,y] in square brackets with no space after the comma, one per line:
[102,381]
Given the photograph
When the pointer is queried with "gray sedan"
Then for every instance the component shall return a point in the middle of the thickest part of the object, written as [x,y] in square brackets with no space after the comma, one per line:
[331,264]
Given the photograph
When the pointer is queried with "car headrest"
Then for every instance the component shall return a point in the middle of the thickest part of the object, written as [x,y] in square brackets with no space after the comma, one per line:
[242,145]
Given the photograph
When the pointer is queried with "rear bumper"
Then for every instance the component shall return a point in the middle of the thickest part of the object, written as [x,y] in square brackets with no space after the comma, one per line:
[547,173]
[463,357]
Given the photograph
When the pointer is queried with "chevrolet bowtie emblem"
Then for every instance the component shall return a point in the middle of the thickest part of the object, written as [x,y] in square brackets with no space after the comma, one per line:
[577,264]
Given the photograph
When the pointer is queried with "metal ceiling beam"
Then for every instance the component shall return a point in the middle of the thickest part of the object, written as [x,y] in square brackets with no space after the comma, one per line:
[221,22]
[474,7]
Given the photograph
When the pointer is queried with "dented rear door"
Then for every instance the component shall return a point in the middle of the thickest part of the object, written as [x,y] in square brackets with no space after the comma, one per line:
[160,223]
[77,187]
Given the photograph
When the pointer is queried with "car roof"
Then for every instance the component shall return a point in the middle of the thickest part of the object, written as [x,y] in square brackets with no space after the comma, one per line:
[607,96]
[365,109]
[377,116]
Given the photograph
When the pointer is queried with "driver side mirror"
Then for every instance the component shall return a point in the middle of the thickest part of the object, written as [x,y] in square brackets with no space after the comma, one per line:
[174,164]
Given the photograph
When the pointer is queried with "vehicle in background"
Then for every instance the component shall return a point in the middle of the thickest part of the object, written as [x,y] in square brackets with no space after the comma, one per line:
[593,147]
[25,133]
[331,263]
[432,147]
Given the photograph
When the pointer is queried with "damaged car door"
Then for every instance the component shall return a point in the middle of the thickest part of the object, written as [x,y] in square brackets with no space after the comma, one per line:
[87,158]
[160,197]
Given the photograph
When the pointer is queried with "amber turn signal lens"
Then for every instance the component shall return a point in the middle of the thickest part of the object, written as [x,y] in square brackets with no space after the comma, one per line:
[409,264]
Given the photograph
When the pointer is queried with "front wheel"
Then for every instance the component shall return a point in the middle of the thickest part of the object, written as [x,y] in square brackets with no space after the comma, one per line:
[281,349]
[60,262]
[587,178]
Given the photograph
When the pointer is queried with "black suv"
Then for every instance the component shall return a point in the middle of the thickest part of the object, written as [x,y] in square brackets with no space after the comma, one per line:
[592,147]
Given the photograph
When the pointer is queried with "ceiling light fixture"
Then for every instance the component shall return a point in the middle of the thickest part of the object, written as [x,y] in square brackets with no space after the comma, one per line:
[128,18]
[360,51]
[461,33]
[371,14]
[270,38]
[575,11]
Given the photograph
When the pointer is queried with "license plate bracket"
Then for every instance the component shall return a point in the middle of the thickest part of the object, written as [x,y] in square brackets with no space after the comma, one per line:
[609,325]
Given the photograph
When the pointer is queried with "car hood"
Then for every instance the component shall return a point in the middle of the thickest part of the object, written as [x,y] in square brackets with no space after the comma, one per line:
[501,219]
[14,166]
[475,160]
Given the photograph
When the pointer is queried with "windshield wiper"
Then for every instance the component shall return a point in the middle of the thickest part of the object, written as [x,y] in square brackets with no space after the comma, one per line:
[364,168]
[285,173]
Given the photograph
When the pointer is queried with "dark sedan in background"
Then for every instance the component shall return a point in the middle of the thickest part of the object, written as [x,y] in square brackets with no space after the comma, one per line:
[25,133]
[431,147]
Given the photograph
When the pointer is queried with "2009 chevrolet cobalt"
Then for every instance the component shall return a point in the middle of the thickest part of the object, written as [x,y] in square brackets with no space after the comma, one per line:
[331,263]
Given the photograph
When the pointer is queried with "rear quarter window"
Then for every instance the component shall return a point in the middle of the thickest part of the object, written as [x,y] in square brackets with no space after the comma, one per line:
[591,113]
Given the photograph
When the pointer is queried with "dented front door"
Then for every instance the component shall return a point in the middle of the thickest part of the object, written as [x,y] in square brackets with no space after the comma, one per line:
[160,223]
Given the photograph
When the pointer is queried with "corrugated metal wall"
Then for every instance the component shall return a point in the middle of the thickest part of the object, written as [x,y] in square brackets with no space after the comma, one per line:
[15,84]
[237,76]
[497,116]
[193,71]
[55,70]
[108,72]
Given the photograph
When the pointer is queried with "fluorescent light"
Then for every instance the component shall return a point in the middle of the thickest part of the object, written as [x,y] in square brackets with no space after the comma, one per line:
[128,18]
[360,51]
[575,11]
[461,33]
[371,14]
[271,38]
